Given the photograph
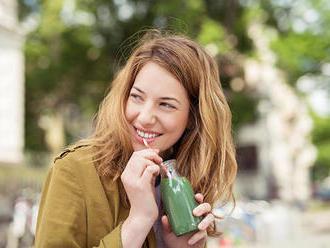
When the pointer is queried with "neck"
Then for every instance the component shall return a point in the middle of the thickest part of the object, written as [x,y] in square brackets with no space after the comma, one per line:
[166,155]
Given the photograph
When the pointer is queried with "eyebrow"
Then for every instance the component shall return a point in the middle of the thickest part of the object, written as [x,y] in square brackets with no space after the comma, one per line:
[162,98]
[141,91]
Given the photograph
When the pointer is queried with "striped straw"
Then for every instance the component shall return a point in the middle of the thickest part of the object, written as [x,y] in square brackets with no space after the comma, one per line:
[162,164]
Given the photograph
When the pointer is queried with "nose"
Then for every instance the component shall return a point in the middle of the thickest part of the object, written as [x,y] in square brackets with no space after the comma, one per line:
[147,115]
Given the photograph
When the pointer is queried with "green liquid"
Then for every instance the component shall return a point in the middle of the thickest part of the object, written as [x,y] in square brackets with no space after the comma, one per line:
[179,202]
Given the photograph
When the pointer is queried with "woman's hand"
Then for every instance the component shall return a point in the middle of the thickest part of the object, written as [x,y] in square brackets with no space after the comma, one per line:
[138,179]
[196,239]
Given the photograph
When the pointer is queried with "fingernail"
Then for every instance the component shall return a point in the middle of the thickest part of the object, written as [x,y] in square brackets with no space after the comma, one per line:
[196,211]
[190,242]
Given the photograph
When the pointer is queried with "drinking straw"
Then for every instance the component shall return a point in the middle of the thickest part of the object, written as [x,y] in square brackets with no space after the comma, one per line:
[162,164]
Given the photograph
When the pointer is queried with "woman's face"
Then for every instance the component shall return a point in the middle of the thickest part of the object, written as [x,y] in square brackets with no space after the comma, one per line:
[157,108]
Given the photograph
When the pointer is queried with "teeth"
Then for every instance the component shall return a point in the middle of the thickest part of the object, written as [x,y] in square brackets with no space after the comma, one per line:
[145,135]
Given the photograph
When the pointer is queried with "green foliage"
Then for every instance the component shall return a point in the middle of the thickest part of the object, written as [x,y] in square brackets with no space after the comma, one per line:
[213,33]
[303,41]
[73,53]
[302,46]
[179,16]
[301,53]
[243,109]
[321,138]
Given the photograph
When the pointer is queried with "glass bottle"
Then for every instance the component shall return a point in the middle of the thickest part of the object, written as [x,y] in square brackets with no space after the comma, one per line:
[178,200]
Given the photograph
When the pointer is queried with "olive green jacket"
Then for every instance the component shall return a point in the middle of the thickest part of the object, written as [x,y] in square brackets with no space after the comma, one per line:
[78,208]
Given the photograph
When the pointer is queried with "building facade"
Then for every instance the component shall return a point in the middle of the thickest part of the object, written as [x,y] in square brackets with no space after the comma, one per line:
[11,85]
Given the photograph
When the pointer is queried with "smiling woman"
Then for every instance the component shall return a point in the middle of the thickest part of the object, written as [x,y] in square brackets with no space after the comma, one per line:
[104,191]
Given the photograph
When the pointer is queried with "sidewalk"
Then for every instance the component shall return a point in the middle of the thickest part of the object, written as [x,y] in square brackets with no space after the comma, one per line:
[313,231]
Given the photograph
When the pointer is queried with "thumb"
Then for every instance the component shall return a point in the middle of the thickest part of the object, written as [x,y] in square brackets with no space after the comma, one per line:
[166,224]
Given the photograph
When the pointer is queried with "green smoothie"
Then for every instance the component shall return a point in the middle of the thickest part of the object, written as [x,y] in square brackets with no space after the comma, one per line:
[179,202]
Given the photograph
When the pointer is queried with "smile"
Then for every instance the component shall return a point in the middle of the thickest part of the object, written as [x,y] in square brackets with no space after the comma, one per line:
[147,134]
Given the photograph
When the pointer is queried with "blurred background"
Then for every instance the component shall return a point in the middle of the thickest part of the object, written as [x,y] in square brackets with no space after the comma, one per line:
[57,59]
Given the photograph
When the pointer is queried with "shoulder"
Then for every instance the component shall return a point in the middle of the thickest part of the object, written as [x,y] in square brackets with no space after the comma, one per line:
[77,161]
[74,152]
[75,157]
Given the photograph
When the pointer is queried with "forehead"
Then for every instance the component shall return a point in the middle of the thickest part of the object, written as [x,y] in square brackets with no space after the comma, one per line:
[156,80]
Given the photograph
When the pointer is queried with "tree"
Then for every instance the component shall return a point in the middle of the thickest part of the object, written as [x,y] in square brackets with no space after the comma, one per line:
[76,47]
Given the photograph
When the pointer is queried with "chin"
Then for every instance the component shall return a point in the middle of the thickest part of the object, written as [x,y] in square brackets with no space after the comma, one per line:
[138,147]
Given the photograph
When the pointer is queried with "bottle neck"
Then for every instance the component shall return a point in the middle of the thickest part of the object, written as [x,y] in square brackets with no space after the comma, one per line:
[170,167]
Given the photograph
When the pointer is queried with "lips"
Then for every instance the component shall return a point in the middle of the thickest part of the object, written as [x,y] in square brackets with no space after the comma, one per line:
[150,136]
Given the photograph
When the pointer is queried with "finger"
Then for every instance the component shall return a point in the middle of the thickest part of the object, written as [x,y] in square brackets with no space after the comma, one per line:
[166,224]
[197,237]
[137,165]
[199,198]
[156,150]
[206,222]
[202,209]
[140,160]
[150,172]
[149,149]
[150,154]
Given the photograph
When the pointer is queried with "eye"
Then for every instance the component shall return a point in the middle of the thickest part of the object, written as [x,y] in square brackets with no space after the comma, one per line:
[135,96]
[167,105]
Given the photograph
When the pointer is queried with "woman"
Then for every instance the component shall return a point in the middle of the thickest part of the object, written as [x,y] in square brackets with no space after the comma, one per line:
[101,193]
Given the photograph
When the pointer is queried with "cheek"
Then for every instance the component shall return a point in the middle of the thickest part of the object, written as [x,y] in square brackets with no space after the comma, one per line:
[178,124]
[129,112]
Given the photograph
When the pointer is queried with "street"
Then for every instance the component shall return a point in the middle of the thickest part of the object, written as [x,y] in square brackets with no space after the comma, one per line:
[314,232]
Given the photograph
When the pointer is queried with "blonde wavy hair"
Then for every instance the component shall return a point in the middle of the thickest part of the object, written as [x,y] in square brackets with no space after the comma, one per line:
[205,153]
